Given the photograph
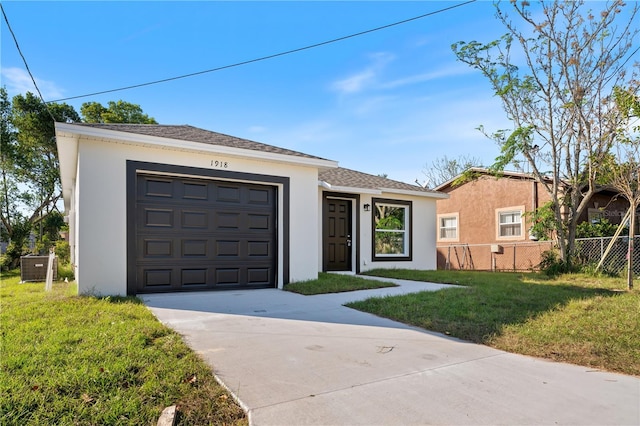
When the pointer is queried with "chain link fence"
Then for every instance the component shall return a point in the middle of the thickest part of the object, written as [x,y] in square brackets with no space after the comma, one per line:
[528,255]
[589,251]
[493,257]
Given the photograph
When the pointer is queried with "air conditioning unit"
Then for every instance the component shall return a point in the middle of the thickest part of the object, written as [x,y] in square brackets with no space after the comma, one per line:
[34,268]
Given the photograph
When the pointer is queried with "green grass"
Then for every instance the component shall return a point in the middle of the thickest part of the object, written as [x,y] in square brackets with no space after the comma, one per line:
[334,283]
[67,359]
[585,320]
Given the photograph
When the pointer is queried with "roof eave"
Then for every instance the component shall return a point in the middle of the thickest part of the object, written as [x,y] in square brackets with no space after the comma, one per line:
[380,191]
[157,142]
[429,194]
[348,189]
[67,146]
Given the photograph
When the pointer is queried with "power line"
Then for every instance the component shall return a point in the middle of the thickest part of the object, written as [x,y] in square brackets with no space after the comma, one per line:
[24,60]
[264,58]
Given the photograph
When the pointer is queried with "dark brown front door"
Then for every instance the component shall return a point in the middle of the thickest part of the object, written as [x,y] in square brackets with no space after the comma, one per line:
[337,235]
[197,234]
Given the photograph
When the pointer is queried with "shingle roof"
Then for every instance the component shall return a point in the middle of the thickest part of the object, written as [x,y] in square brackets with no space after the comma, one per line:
[354,179]
[481,171]
[195,134]
[339,177]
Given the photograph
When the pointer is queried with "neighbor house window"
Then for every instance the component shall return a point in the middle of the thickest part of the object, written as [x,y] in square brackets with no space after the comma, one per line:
[448,227]
[391,229]
[595,215]
[510,223]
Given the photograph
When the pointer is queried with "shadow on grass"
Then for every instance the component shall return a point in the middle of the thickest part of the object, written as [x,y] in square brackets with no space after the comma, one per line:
[479,312]
[121,299]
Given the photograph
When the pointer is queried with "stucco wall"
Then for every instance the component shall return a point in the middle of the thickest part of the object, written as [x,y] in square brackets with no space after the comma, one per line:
[423,233]
[477,202]
[101,209]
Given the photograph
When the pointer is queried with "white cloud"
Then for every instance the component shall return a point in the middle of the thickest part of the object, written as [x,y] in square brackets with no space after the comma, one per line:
[257,129]
[355,83]
[18,81]
[365,78]
[449,71]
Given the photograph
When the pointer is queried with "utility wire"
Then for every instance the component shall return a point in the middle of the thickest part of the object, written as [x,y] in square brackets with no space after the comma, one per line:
[264,58]
[6,19]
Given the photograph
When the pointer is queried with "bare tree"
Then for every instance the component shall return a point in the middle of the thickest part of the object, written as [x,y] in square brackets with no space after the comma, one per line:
[445,168]
[560,100]
[625,166]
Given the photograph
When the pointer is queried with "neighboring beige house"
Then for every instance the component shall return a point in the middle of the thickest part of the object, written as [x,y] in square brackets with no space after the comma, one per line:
[483,224]
[157,208]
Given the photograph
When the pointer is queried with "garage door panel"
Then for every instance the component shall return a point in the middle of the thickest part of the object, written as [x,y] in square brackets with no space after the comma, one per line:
[195,191]
[228,194]
[226,276]
[258,276]
[158,248]
[259,221]
[194,219]
[258,248]
[194,277]
[259,196]
[227,248]
[158,217]
[156,187]
[158,277]
[227,220]
[194,248]
[202,234]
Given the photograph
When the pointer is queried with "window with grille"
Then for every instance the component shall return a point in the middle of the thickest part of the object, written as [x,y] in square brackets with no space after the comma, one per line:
[510,223]
[448,227]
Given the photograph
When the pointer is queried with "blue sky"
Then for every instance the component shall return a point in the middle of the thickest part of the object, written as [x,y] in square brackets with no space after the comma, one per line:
[389,102]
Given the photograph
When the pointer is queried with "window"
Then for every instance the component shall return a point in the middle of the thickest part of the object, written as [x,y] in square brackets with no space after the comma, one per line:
[595,215]
[448,227]
[391,229]
[510,223]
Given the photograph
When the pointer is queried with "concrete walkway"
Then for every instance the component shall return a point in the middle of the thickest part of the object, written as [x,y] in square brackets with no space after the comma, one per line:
[308,360]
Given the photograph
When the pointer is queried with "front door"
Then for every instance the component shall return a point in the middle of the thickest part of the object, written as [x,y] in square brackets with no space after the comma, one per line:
[337,234]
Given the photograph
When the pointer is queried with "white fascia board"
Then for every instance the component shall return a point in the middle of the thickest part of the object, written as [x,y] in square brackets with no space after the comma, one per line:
[67,146]
[440,195]
[348,189]
[160,142]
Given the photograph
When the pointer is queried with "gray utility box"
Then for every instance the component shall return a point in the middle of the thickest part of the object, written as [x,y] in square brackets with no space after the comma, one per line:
[34,268]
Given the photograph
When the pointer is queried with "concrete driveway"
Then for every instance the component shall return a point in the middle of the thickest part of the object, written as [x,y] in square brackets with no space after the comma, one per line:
[308,360]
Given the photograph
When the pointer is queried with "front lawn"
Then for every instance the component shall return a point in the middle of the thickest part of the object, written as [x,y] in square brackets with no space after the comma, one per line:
[67,359]
[574,318]
[334,283]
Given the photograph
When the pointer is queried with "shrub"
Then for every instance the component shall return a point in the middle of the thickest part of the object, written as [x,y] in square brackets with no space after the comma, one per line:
[63,251]
[552,265]
[65,270]
[600,228]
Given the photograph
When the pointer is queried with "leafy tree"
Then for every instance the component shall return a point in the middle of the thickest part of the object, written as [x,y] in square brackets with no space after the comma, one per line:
[115,112]
[444,169]
[29,161]
[560,100]
[29,175]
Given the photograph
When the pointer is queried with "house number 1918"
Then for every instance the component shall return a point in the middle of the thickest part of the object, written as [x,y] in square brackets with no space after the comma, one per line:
[220,164]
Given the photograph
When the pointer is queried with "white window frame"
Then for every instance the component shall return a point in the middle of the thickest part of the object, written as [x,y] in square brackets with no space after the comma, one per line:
[443,216]
[499,225]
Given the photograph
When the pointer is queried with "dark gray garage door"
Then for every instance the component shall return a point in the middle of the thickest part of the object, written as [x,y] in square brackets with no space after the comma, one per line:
[197,234]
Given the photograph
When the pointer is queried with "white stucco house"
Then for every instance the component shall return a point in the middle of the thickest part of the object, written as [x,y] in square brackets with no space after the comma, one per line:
[164,208]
